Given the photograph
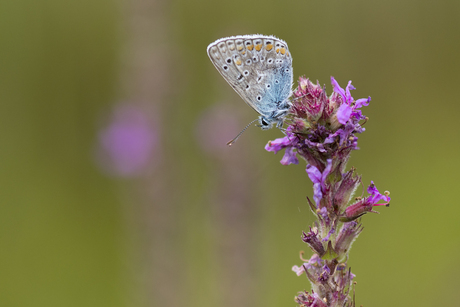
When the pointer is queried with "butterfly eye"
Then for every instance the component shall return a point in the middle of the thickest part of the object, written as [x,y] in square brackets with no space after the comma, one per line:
[263,122]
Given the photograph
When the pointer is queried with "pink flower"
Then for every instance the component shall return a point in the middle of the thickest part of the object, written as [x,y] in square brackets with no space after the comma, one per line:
[366,204]
[349,106]
[127,143]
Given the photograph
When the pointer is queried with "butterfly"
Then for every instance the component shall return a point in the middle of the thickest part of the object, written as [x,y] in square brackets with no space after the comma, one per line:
[259,68]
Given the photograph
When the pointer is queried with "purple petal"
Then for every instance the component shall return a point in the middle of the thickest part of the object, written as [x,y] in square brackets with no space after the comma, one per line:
[315,146]
[362,102]
[278,144]
[337,88]
[324,214]
[318,180]
[332,231]
[375,194]
[344,113]
[326,172]
[313,173]
[315,177]
[349,87]
[298,270]
[331,138]
[289,157]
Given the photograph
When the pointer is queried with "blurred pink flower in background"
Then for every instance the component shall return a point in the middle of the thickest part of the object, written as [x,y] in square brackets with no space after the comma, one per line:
[126,145]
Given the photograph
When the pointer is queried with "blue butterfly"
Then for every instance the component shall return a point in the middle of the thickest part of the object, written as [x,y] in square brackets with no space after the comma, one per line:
[259,68]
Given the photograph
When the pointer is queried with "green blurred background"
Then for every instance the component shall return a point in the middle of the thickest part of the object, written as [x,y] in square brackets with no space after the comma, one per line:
[201,224]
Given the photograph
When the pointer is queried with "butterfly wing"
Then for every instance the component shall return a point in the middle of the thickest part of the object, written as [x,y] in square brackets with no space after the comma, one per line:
[258,68]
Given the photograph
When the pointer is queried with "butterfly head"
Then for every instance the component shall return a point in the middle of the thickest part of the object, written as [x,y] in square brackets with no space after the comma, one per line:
[277,117]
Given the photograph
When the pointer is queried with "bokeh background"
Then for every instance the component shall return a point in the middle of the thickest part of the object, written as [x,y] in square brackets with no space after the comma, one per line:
[116,185]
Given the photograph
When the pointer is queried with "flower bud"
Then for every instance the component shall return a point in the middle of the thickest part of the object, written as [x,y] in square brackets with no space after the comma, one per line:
[311,238]
[347,234]
[348,186]
[309,100]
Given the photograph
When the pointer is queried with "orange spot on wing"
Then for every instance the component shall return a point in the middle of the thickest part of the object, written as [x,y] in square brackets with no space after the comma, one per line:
[277,50]
[238,62]
[258,47]
[269,47]
[283,50]
[250,47]
[240,48]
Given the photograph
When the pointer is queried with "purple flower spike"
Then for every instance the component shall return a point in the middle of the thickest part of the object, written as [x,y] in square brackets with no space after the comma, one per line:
[323,131]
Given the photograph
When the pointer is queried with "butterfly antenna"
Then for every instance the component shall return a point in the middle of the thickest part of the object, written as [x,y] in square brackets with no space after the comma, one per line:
[230,143]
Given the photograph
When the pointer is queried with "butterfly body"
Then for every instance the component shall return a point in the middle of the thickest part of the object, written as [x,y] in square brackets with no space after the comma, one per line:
[259,69]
